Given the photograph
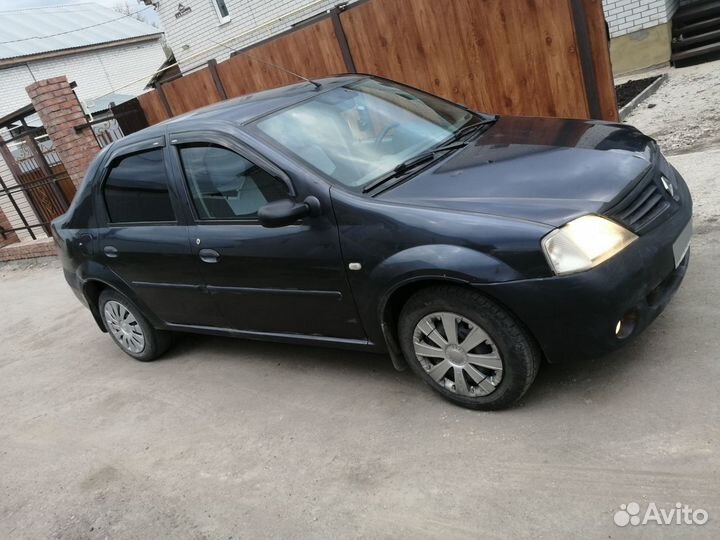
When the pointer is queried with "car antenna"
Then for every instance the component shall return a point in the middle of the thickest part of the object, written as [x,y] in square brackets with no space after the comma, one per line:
[239,51]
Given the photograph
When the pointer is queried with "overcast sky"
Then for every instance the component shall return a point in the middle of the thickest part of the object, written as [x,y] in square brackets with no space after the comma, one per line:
[149,14]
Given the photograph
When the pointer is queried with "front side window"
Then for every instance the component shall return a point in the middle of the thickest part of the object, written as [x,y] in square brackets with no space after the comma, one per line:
[136,189]
[221,8]
[360,132]
[225,185]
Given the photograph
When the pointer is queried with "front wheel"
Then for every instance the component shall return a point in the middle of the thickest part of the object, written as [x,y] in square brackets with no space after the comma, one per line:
[129,329]
[468,348]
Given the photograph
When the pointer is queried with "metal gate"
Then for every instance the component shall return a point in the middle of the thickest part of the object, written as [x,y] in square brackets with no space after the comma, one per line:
[41,181]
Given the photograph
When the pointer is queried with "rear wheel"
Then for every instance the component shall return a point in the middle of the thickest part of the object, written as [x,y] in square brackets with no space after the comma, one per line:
[467,348]
[129,329]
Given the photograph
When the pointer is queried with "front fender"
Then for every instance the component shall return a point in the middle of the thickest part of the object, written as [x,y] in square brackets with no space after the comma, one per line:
[388,245]
[456,263]
[428,263]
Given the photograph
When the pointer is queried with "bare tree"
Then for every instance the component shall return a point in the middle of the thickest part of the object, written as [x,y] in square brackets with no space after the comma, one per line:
[126,8]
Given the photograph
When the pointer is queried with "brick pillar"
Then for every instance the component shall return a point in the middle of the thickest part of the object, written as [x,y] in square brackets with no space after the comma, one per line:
[60,111]
[10,237]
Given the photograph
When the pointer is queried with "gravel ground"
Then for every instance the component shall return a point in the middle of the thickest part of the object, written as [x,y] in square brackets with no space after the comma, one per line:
[684,114]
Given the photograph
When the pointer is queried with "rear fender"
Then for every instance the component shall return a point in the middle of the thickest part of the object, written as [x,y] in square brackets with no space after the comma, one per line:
[98,277]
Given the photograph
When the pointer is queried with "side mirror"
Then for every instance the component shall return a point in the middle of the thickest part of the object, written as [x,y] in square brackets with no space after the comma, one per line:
[286,212]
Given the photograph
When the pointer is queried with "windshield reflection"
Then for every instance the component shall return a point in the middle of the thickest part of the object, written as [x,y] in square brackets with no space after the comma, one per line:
[358,133]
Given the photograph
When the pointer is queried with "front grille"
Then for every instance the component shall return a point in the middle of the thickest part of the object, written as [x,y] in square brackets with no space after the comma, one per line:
[642,205]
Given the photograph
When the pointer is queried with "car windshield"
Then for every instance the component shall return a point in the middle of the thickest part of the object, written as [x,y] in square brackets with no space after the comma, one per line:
[360,132]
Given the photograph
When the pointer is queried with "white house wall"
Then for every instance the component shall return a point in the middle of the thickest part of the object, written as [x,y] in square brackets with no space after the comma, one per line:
[192,34]
[99,72]
[626,16]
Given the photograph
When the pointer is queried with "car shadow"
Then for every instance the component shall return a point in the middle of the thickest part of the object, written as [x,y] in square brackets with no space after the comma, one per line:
[581,381]
[197,346]
[601,379]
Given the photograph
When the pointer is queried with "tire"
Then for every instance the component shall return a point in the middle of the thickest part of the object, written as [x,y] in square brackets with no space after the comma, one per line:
[498,340]
[138,339]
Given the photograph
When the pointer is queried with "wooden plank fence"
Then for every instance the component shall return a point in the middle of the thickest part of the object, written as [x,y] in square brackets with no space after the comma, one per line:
[311,50]
[516,57]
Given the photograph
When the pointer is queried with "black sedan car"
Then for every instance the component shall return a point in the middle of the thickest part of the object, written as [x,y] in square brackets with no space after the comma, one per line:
[357,212]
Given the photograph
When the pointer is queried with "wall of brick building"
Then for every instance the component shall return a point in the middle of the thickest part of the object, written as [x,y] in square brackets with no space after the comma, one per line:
[59,110]
[641,33]
[626,16]
[10,238]
[28,250]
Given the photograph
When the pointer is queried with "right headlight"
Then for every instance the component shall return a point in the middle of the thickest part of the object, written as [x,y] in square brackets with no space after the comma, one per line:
[584,243]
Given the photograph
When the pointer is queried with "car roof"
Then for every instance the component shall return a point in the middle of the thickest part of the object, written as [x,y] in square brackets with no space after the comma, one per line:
[244,109]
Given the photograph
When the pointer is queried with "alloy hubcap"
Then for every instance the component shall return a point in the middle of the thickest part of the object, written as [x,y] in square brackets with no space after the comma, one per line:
[458,354]
[124,326]
[455,355]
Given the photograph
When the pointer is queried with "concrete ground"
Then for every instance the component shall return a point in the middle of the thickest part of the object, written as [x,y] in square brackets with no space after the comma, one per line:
[228,439]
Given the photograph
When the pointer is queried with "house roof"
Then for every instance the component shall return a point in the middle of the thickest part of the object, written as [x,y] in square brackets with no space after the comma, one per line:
[37,31]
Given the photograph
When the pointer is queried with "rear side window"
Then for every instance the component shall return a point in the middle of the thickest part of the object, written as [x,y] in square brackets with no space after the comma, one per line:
[136,189]
[225,185]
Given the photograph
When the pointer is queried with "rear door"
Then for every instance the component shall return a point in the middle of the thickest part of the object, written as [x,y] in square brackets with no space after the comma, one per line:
[145,239]
[273,280]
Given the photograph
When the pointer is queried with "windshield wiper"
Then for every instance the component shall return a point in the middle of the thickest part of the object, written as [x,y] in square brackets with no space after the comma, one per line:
[471,128]
[411,163]
[451,144]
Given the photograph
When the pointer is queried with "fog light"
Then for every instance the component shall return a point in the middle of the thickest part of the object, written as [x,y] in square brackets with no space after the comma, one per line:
[626,325]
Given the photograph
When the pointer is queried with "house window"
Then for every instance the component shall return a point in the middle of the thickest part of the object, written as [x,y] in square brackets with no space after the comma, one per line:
[222,10]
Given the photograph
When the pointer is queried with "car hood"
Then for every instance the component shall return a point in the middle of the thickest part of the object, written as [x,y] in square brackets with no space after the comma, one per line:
[547,170]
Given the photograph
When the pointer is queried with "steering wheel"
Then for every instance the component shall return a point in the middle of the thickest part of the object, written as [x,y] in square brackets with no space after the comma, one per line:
[383,134]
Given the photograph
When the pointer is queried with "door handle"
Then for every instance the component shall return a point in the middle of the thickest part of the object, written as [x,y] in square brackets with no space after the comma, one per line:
[209,256]
[111,252]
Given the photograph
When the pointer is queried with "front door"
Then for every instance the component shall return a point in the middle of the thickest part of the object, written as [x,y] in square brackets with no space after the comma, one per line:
[144,242]
[287,280]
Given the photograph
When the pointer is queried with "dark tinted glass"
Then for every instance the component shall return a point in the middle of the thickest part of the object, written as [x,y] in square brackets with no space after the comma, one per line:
[225,185]
[136,189]
[222,8]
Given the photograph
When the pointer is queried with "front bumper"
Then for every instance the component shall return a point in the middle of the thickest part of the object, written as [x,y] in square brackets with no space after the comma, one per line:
[575,317]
